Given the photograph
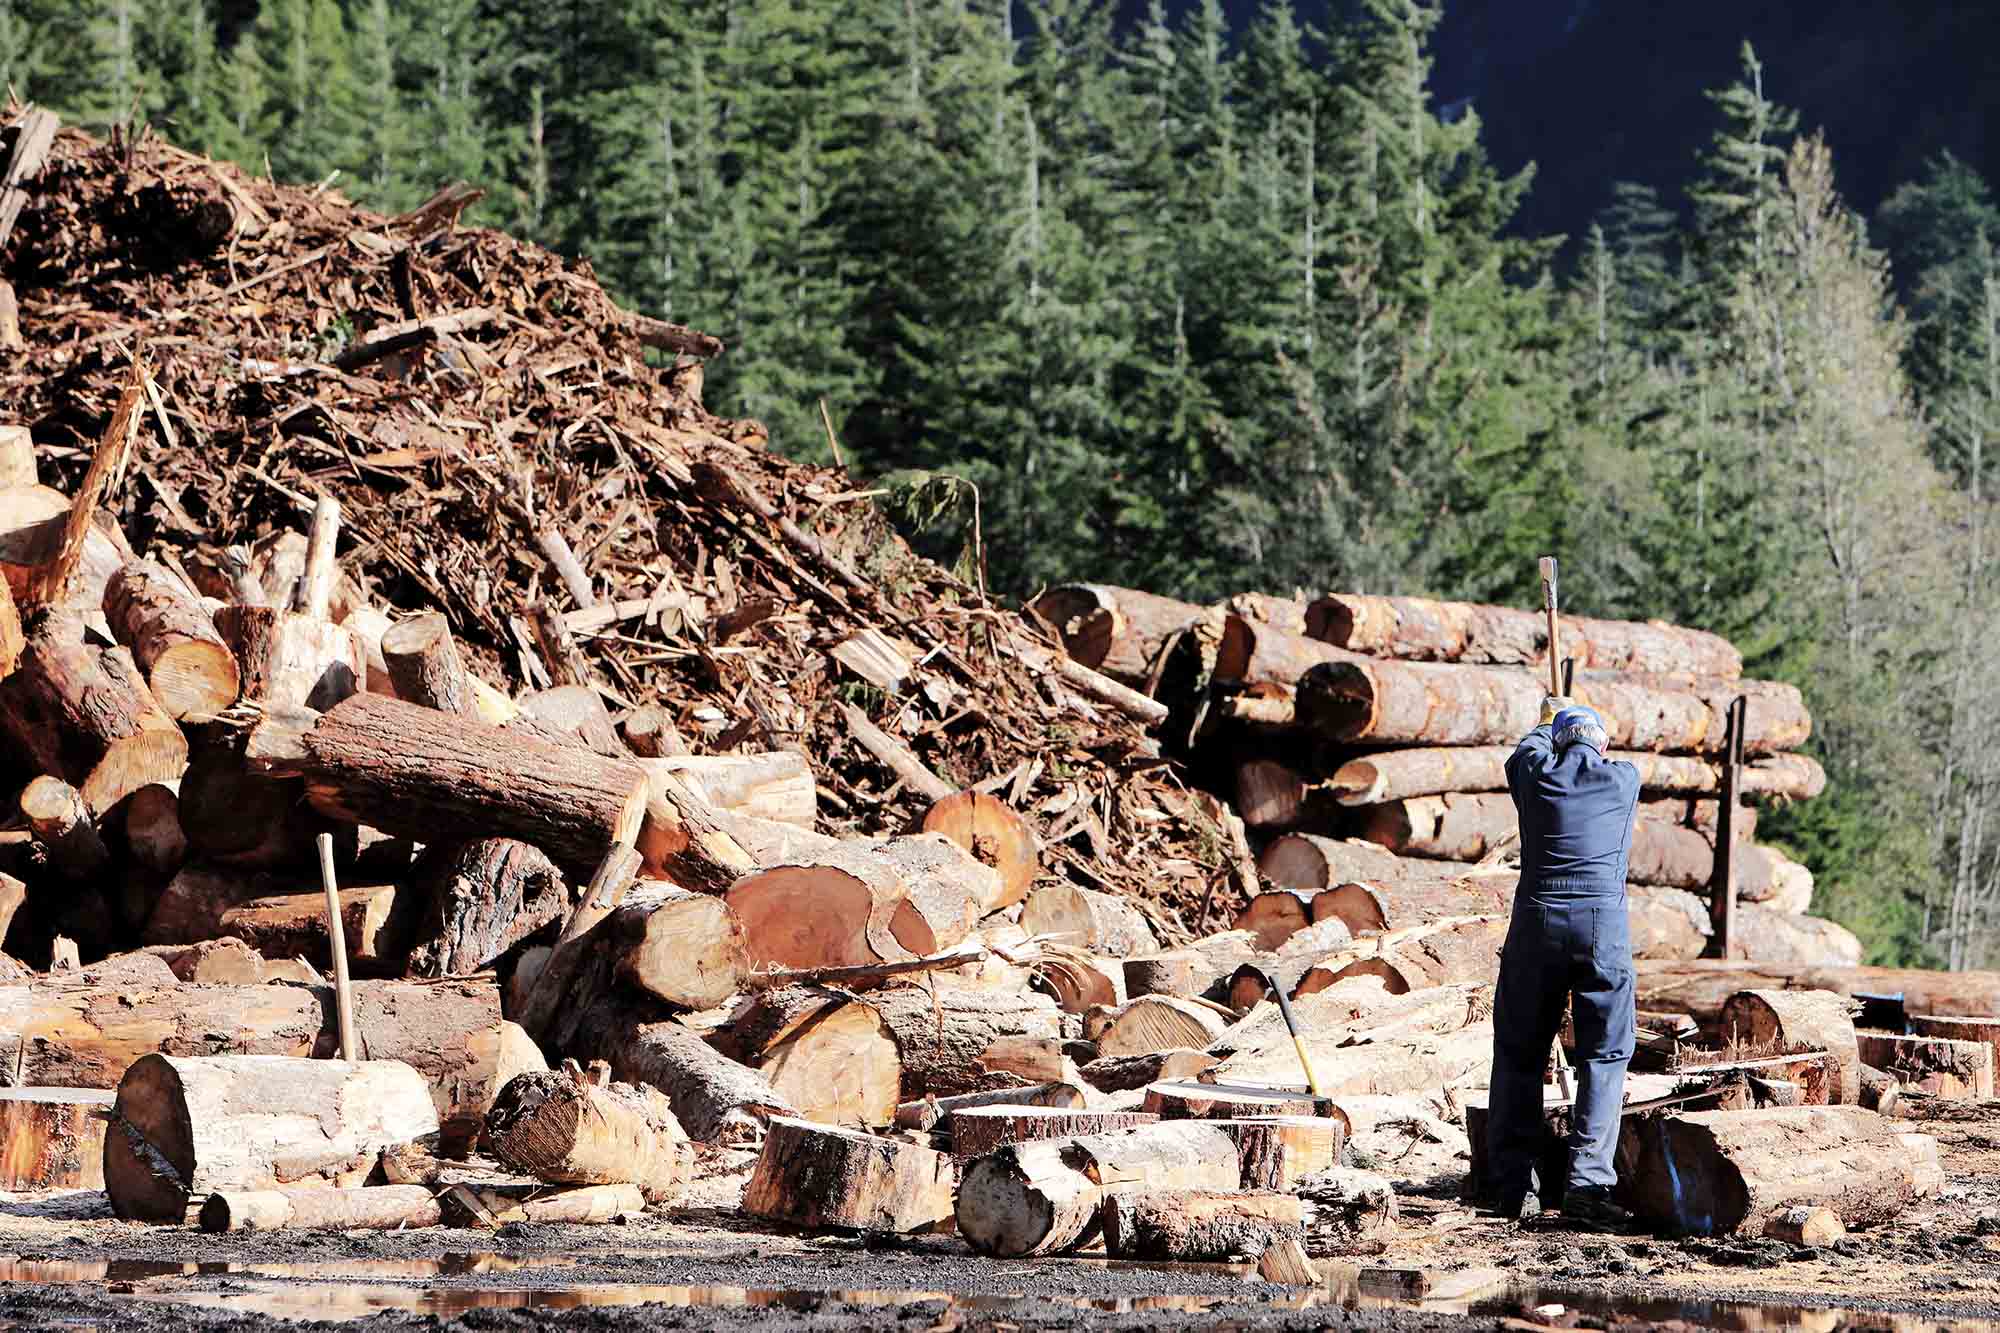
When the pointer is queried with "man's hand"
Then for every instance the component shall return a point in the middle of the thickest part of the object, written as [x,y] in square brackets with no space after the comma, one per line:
[1553,704]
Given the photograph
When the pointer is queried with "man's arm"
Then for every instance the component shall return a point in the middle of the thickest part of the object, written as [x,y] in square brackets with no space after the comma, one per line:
[1539,744]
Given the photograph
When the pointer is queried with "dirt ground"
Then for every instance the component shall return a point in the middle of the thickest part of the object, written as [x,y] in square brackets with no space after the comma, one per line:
[702,1265]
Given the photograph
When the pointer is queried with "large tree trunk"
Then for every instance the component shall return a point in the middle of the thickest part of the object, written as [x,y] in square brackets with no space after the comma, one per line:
[1719,1172]
[191,670]
[1438,704]
[777,785]
[943,1036]
[1196,1226]
[1701,987]
[563,1127]
[317,1208]
[1392,904]
[1419,629]
[1087,919]
[52,1138]
[485,896]
[1782,1020]
[1396,774]
[995,836]
[414,771]
[831,1055]
[1266,660]
[85,715]
[819,1176]
[862,903]
[1046,1196]
[289,660]
[1118,631]
[1307,861]
[184,1128]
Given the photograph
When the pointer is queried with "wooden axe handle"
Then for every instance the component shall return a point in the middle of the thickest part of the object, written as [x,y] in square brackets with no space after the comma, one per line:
[1548,563]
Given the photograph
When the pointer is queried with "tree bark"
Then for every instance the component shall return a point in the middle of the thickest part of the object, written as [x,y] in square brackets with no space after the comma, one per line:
[316,1208]
[192,672]
[183,1128]
[1266,660]
[776,785]
[819,1176]
[424,665]
[1781,1020]
[484,897]
[192,904]
[1937,1066]
[1118,631]
[942,1036]
[414,771]
[1197,1226]
[682,840]
[1087,919]
[288,660]
[1720,1172]
[1424,630]
[829,1054]
[237,818]
[86,716]
[977,1131]
[1277,1151]
[995,836]
[563,1127]
[1396,774]
[52,1138]
[1701,987]
[1440,704]
[1159,1023]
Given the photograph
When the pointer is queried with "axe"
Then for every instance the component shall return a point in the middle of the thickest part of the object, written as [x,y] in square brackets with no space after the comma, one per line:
[1564,1084]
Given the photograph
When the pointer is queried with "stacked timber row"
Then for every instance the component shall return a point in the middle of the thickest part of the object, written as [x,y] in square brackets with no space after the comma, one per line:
[1363,742]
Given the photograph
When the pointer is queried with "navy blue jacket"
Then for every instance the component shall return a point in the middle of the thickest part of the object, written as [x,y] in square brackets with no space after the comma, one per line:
[1576,812]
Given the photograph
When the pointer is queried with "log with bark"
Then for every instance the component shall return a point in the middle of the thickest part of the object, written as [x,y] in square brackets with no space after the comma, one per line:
[153,832]
[289,660]
[650,733]
[192,672]
[1087,919]
[716,1099]
[483,897]
[490,1207]
[1184,1100]
[1273,796]
[1701,987]
[33,520]
[1118,631]
[1425,630]
[62,823]
[862,903]
[943,1035]
[936,1112]
[1265,660]
[182,1128]
[191,905]
[294,925]
[978,1130]
[414,771]
[1276,1151]
[827,1053]
[572,714]
[1159,1023]
[234,817]
[317,1208]
[1392,904]
[1124,1073]
[776,785]
[822,1176]
[1386,702]
[1780,1021]
[1047,1196]
[85,715]
[52,1138]
[1307,861]
[576,1129]
[994,834]
[423,664]
[1396,774]
[1197,1226]
[1720,1172]
[1936,1066]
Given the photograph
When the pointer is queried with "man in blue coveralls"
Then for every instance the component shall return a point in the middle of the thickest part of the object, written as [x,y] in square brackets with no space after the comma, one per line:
[1568,941]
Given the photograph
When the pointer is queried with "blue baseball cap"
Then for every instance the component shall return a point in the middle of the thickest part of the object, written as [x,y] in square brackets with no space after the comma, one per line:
[1580,724]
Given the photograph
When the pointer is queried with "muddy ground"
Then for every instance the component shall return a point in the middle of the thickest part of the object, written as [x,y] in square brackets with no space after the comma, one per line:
[703,1265]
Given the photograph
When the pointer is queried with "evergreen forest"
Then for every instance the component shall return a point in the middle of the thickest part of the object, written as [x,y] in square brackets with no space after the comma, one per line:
[1200,306]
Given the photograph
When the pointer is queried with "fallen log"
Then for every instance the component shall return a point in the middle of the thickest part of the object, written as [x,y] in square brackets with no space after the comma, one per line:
[1307,861]
[995,836]
[1701,987]
[286,659]
[1272,795]
[85,715]
[1938,1066]
[685,949]
[564,1127]
[1782,1020]
[942,1036]
[410,770]
[1197,1226]
[52,1138]
[192,672]
[182,1128]
[1118,631]
[1266,660]
[317,1208]
[978,1130]
[490,1208]
[1087,919]
[821,1176]
[483,898]
[1159,1023]
[294,925]
[1443,704]
[62,823]
[1721,1172]
[1285,613]
[777,785]
[832,1057]
[424,666]
[933,1112]
[1420,629]
[1046,1196]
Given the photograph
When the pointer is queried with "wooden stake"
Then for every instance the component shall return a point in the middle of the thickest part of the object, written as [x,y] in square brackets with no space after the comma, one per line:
[316,588]
[336,937]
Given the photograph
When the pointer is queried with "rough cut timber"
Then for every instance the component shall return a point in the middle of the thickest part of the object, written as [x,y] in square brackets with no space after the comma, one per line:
[1307,861]
[685,949]
[52,1138]
[62,823]
[1701,987]
[414,771]
[1959,1029]
[1276,1151]
[293,925]
[484,897]
[289,660]
[1424,630]
[1392,904]
[562,1126]
[85,715]
[1197,1226]
[317,1208]
[821,1176]
[943,1035]
[776,785]
[1395,774]
[1124,1073]
[1087,919]
[183,1128]
[1782,1020]
[1937,1066]
[996,836]
[682,840]
[1159,1023]
[716,1099]
[192,672]
[424,666]
[935,1112]
[978,1130]
[1719,1172]
[1445,704]
[1046,1196]
[1118,631]
[829,1055]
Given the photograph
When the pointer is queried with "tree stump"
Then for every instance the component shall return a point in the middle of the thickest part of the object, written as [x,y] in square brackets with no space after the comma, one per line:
[821,1176]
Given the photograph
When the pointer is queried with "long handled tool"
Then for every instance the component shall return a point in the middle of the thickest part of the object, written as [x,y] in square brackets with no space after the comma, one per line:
[1564,1084]
[1292,1026]
[336,935]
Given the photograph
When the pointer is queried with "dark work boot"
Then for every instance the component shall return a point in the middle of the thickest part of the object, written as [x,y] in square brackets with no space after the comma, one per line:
[1593,1206]
[1518,1206]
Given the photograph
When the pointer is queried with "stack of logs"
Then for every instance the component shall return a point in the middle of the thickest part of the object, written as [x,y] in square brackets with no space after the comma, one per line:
[1364,741]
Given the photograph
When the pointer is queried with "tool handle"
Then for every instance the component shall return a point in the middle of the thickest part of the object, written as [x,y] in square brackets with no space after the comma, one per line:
[1292,1026]
[336,935]
[1548,564]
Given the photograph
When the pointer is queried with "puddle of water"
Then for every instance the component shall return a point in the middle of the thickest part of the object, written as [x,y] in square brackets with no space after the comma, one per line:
[1737,1316]
[14,1268]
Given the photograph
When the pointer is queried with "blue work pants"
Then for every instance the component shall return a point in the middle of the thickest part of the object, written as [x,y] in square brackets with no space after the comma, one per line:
[1577,950]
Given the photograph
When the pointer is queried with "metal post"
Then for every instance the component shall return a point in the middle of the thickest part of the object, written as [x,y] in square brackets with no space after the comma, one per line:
[1722,887]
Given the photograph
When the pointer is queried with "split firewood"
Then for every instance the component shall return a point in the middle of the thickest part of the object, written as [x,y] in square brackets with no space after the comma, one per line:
[716,1099]
[33,520]
[410,770]
[294,925]
[191,670]
[1087,919]
[1287,1265]
[1805,1225]
[565,1127]
[286,659]
[1936,1066]
[1736,1170]
[1159,1023]
[1780,1020]
[1123,1073]
[1046,1197]
[317,1208]
[1879,1091]
[823,1176]
[931,1112]
[978,1130]
[85,715]
[182,1128]
[485,896]
[942,1035]
[62,822]
[1118,631]
[52,1138]
[995,835]
[1396,774]
[777,785]
[1277,1151]
[424,665]
[682,840]
[1195,1226]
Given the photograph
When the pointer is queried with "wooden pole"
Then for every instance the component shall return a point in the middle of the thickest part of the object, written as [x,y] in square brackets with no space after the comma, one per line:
[1722,893]
[336,938]
[1548,563]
